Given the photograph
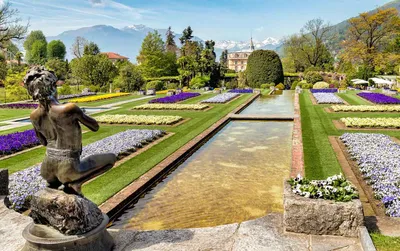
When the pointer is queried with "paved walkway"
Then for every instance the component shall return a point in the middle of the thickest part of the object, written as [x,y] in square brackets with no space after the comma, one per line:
[11,226]
[126,101]
[261,234]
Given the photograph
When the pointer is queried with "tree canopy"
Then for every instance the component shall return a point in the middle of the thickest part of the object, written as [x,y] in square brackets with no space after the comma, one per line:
[10,27]
[91,48]
[56,49]
[35,54]
[264,66]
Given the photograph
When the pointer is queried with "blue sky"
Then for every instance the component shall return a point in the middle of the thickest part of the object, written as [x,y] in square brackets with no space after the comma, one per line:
[210,19]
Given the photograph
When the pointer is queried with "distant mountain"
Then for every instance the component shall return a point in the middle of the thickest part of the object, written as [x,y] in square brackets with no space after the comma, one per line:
[128,40]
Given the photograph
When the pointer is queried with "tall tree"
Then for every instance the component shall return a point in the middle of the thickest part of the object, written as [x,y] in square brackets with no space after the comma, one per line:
[78,46]
[186,35]
[223,60]
[38,52]
[10,27]
[35,36]
[129,79]
[60,67]
[170,45]
[91,49]
[153,60]
[56,49]
[366,37]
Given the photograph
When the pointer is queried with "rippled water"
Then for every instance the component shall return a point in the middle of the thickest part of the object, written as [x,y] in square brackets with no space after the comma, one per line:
[236,176]
[272,105]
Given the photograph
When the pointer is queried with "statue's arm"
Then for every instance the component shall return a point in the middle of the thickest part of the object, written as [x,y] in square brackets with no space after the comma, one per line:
[86,120]
[41,138]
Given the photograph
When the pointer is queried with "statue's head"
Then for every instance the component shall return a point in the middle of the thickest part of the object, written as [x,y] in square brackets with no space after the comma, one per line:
[41,84]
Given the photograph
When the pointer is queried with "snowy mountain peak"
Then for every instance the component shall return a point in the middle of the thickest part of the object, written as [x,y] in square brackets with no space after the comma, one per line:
[137,27]
[269,43]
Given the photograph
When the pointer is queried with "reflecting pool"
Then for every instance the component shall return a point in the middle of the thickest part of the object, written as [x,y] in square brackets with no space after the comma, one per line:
[272,105]
[236,176]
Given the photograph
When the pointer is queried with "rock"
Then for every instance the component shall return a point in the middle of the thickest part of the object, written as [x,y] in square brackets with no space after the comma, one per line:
[69,214]
[3,181]
[321,217]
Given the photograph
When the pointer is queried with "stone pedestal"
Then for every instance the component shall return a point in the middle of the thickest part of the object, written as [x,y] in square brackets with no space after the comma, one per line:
[321,217]
[3,182]
[66,222]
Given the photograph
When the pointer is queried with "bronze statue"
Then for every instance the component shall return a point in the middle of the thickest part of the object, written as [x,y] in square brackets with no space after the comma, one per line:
[57,127]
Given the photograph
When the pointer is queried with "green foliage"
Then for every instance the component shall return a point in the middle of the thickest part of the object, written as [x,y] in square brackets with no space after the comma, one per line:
[129,79]
[171,86]
[186,35]
[294,85]
[30,40]
[60,67]
[38,53]
[95,70]
[291,74]
[170,45]
[231,84]
[231,75]
[166,78]
[65,89]
[153,60]
[3,71]
[14,90]
[157,85]
[91,48]
[264,66]
[307,86]
[321,85]
[199,82]
[56,49]
[280,86]
[313,77]
[265,86]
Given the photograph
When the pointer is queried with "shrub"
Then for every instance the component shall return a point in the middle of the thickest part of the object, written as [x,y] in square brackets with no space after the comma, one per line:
[231,84]
[321,85]
[94,88]
[155,84]
[265,86]
[280,86]
[294,85]
[264,66]
[307,86]
[65,89]
[172,86]
[313,77]
[199,82]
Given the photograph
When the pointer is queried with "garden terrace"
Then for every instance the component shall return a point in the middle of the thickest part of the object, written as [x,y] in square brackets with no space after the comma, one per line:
[327,98]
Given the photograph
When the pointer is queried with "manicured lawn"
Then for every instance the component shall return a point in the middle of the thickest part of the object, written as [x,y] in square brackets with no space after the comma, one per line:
[319,157]
[385,243]
[352,98]
[8,114]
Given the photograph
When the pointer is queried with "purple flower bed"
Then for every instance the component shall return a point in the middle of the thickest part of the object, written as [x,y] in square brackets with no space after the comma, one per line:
[323,90]
[378,158]
[19,106]
[175,98]
[241,91]
[18,141]
[379,98]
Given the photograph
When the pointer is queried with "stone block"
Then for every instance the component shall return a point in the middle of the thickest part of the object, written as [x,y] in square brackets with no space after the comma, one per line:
[321,217]
[3,181]
[69,214]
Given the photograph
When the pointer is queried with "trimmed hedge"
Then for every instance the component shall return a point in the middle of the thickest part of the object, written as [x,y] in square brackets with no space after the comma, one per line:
[313,77]
[264,66]
[156,84]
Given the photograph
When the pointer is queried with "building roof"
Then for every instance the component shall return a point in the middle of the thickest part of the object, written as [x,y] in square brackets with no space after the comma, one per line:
[113,55]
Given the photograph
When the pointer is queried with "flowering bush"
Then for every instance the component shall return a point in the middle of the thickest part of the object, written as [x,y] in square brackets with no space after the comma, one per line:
[366,108]
[19,106]
[324,90]
[333,188]
[175,98]
[139,119]
[25,183]
[241,91]
[171,107]
[327,98]
[378,159]
[98,97]
[68,96]
[372,122]
[221,98]
[379,98]
[15,142]
[321,85]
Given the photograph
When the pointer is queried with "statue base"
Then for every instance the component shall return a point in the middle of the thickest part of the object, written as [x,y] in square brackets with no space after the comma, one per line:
[44,238]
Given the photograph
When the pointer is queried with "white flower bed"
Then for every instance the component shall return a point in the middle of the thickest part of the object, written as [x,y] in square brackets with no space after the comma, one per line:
[378,158]
[366,108]
[27,182]
[372,122]
[221,98]
[139,119]
[171,107]
[327,98]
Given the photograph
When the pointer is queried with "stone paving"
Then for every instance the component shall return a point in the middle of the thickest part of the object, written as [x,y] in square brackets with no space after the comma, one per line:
[262,234]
